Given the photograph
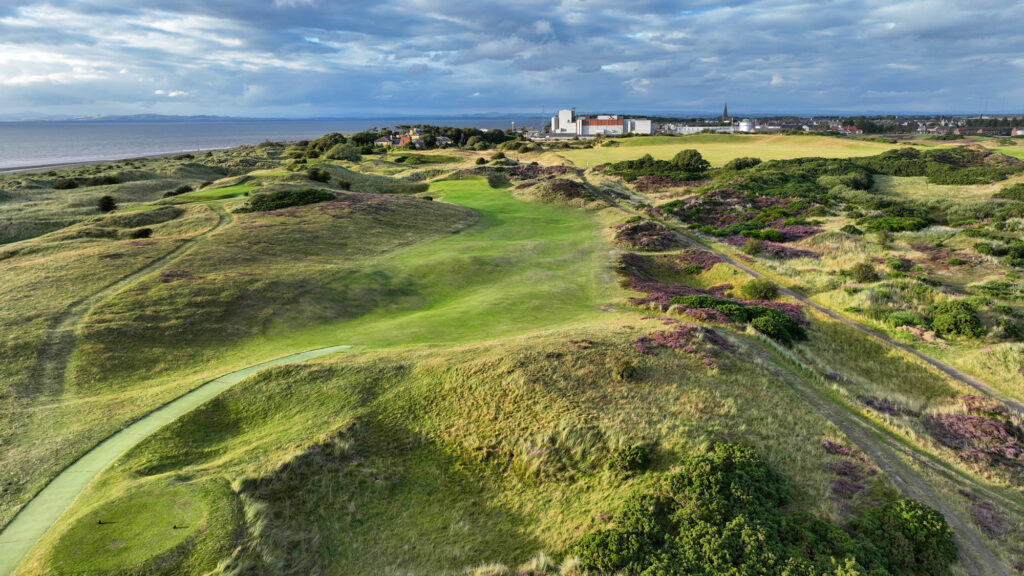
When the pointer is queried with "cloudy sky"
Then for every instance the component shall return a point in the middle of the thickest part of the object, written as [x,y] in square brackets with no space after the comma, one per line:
[305,58]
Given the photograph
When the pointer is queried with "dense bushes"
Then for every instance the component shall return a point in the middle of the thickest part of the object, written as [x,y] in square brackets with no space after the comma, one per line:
[958,318]
[742,163]
[183,189]
[720,513]
[686,165]
[770,322]
[285,199]
[1015,192]
[317,174]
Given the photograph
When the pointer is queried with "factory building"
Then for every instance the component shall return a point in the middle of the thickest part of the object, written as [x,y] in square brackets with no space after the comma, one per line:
[569,124]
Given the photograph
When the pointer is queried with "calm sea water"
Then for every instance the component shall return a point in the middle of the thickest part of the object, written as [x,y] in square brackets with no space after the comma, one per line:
[42,143]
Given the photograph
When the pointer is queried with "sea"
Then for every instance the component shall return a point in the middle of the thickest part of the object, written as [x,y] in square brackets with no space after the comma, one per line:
[44,144]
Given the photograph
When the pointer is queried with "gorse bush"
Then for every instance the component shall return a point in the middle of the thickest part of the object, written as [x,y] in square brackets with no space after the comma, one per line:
[774,324]
[317,174]
[760,289]
[629,459]
[742,163]
[1015,192]
[957,318]
[106,204]
[285,198]
[863,272]
[720,512]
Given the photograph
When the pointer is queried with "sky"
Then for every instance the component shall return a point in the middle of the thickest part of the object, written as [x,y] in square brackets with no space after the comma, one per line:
[320,58]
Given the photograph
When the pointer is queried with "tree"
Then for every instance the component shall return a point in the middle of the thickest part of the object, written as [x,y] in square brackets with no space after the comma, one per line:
[106,204]
[691,161]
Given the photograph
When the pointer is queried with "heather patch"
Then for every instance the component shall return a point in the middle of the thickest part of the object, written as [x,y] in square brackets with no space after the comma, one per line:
[700,258]
[978,438]
[645,235]
[653,183]
[990,519]
[684,337]
[846,488]
[885,406]
[774,249]
[836,449]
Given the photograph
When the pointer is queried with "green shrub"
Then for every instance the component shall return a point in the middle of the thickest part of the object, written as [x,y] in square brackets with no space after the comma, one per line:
[1015,192]
[760,289]
[285,198]
[317,174]
[691,161]
[851,229]
[106,204]
[141,233]
[863,273]
[906,537]
[897,224]
[769,234]
[720,512]
[65,184]
[629,459]
[957,261]
[623,370]
[753,247]
[742,163]
[895,263]
[498,156]
[958,318]
[481,161]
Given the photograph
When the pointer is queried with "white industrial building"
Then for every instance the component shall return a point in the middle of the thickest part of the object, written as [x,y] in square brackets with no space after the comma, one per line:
[605,124]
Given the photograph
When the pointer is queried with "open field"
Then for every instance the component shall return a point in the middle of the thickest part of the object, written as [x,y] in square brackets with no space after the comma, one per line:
[720,148]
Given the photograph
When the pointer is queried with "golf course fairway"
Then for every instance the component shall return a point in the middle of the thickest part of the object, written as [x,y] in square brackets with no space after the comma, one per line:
[43,511]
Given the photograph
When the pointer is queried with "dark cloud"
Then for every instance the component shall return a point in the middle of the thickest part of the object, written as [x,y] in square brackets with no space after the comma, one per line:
[320,57]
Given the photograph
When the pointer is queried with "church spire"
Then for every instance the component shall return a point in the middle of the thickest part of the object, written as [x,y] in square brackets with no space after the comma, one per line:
[725,113]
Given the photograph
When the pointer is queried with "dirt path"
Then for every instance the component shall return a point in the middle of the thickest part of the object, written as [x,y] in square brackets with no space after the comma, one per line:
[32,522]
[50,372]
[946,369]
[974,554]
[884,451]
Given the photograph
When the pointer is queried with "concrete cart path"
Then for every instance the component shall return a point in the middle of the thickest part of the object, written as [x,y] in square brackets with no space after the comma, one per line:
[45,509]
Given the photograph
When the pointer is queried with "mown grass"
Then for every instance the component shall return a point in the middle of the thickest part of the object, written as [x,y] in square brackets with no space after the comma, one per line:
[720,148]
[432,461]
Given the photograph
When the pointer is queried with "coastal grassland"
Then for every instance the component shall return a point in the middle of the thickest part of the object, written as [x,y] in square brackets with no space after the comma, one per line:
[43,279]
[720,148]
[375,270]
[36,203]
[430,461]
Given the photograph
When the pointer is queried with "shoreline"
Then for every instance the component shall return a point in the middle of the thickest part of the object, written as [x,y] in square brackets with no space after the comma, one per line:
[76,163]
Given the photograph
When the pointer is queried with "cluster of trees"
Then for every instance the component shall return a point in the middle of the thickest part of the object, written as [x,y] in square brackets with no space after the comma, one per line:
[721,513]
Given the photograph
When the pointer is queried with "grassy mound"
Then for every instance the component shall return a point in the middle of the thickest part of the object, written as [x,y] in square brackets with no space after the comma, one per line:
[285,199]
[434,461]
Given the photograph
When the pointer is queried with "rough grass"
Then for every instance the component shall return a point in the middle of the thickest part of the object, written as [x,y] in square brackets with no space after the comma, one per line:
[413,461]
[720,148]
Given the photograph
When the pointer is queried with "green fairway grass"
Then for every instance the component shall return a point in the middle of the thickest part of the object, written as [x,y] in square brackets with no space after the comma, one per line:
[720,148]
[215,193]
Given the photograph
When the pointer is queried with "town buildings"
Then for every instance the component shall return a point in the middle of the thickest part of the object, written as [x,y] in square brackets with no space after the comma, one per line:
[568,123]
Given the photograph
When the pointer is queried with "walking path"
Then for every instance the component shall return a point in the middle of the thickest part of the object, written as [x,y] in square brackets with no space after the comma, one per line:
[45,509]
[50,371]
